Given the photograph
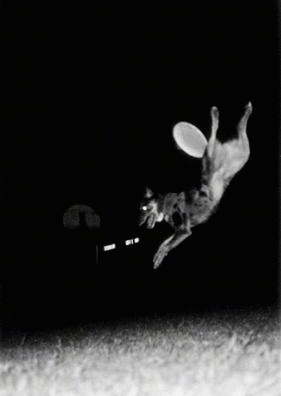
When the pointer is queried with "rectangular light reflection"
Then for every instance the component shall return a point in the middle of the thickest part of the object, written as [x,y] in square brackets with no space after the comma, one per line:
[109,247]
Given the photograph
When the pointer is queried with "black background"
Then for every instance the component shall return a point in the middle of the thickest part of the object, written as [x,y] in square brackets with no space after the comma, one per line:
[91,94]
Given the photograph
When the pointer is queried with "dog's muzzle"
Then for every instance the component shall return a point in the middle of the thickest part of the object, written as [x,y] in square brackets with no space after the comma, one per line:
[149,219]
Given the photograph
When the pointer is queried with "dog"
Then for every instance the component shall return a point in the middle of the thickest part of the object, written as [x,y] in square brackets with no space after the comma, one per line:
[185,210]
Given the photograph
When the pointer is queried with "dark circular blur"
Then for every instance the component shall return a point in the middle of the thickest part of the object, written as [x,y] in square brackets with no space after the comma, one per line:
[78,215]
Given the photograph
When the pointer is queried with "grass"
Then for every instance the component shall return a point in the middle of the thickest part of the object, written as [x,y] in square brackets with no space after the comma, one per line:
[227,354]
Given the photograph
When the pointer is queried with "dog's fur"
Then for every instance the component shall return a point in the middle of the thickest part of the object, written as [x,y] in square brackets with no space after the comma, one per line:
[220,163]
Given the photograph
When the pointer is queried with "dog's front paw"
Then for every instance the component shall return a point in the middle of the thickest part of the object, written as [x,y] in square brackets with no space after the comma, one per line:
[159,256]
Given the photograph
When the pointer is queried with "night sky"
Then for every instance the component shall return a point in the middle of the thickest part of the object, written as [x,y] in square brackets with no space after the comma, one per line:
[91,97]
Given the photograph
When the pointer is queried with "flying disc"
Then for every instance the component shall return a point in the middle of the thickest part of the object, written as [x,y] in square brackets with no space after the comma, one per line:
[190,139]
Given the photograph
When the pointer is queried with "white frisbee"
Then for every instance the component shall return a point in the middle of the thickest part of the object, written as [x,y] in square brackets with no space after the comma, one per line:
[190,139]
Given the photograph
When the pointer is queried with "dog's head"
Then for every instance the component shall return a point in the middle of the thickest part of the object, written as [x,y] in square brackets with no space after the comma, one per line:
[149,210]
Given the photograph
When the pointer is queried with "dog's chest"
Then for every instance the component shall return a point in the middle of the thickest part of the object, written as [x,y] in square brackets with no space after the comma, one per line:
[174,206]
[197,206]
[200,207]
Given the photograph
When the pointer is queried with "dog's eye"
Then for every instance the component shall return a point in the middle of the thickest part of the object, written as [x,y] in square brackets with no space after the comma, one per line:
[144,208]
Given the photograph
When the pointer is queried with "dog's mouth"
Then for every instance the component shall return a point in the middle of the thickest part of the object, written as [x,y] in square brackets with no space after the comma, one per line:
[149,219]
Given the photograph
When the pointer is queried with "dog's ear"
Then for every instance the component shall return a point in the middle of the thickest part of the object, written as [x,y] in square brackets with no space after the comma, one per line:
[148,193]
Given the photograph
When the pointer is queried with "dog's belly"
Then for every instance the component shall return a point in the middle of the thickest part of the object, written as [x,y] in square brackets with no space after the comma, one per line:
[200,210]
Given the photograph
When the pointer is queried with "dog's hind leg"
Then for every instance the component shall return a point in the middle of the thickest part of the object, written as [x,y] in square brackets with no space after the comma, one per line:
[214,128]
[242,132]
[237,151]
[242,125]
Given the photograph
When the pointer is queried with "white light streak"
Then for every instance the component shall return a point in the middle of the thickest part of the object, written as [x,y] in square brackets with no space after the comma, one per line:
[109,247]
[132,241]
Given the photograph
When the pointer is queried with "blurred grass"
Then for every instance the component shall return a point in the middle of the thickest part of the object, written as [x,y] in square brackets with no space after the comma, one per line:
[233,354]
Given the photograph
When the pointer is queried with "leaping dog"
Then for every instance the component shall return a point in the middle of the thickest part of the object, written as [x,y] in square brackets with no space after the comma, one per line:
[185,210]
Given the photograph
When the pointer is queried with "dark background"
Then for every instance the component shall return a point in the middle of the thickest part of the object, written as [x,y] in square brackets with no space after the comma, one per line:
[91,94]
